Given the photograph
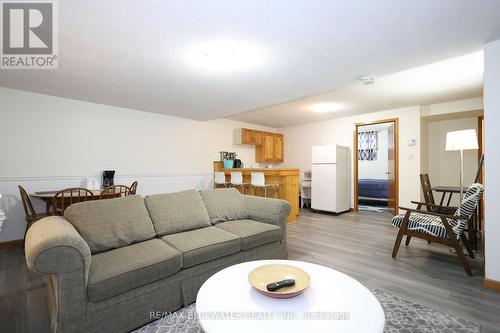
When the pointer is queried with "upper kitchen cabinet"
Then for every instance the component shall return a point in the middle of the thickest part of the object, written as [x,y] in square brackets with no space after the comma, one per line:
[264,153]
[269,146]
[278,148]
[245,136]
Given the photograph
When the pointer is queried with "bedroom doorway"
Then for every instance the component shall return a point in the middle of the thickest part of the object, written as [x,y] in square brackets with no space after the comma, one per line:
[376,166]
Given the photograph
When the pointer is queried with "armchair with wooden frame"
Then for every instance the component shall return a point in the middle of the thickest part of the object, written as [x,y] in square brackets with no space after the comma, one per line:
[446,228]
[429,202]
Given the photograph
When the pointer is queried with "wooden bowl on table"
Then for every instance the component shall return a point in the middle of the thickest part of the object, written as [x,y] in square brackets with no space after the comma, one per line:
[261,276]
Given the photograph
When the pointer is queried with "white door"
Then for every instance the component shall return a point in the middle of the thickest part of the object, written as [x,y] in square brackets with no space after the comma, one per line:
[323,187]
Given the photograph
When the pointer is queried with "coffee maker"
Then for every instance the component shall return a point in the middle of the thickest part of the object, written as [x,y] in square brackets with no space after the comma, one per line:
[108,178]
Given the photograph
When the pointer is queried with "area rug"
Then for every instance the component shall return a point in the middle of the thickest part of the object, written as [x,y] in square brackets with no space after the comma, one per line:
[401,315]
[375,209]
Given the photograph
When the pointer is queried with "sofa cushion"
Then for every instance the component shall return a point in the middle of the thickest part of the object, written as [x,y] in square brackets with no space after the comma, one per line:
[225,205]
[175,212]
[112,223]
[252,233]
[202,245]
[116,271]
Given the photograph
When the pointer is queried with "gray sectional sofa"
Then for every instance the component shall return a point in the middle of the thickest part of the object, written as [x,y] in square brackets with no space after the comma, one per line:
[112,263]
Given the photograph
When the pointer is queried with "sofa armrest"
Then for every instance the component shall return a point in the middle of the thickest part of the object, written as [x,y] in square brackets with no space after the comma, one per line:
[267,210]
[53,246]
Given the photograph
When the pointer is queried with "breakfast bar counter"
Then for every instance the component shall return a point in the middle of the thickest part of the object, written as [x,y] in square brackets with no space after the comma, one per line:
[287,178]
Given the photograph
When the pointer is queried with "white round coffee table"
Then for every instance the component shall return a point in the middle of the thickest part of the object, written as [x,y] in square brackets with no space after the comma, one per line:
[334,302]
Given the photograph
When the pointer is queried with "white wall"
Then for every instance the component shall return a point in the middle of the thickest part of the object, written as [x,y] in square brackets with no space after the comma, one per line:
[49,143]
[444,166]
[492,159]
[454,107]
[299,140]
[376,169]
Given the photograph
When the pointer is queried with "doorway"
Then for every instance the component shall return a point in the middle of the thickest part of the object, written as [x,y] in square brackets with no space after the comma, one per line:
[376,166]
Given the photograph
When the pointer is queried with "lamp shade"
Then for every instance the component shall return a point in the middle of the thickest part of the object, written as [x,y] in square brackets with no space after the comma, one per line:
[461,140]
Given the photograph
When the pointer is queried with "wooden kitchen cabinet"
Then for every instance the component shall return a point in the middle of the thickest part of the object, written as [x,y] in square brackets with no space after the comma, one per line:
[269,147]
[278,148]
[245,136]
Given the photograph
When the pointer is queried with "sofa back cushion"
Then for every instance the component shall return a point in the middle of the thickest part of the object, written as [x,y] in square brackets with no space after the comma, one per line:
[176,212]
[111,223]
[225,204]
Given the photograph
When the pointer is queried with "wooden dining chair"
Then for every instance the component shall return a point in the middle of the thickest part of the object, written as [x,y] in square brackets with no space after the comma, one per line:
[115,191]
[133,188]
[65,198]
[31,215]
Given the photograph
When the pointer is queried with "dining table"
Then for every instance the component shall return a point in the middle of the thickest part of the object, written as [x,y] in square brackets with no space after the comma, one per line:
[447,190]
[48,197]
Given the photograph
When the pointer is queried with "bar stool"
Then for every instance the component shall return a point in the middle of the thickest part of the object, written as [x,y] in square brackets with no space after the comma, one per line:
[220,179]
[237,180]
[258,180]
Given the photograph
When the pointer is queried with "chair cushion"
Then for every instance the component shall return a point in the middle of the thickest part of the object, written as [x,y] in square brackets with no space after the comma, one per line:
[225,204]
[112,223]
[252,233]
[470,201]
[119,270]
[428,224]
[202,245]
[175,212]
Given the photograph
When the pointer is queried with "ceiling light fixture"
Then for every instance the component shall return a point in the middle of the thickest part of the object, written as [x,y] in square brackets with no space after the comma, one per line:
[326,107]
[224,56]
[367,79]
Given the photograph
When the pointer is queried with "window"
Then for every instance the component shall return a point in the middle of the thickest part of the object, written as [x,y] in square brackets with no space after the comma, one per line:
[367,146]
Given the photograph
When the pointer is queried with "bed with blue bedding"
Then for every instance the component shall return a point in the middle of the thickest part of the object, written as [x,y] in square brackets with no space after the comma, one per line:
[372,189]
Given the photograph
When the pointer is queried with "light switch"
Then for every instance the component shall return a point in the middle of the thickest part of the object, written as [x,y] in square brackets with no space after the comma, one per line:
[412,142]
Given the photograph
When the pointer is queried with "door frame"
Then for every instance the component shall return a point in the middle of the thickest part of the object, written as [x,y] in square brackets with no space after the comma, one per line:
[396,159]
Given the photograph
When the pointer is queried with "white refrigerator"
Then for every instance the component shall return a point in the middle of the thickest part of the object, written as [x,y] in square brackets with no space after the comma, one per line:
[331,181]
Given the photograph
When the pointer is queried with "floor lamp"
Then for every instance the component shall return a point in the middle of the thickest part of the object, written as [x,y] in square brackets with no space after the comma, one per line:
[461,140]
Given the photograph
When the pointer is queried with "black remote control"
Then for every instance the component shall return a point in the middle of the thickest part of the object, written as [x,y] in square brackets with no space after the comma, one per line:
[280,284]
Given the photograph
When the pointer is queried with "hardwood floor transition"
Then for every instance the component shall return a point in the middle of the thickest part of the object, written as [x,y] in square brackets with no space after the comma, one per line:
[358,244]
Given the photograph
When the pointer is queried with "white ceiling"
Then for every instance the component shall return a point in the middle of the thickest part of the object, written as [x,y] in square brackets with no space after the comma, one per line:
[448,80]
[132,53]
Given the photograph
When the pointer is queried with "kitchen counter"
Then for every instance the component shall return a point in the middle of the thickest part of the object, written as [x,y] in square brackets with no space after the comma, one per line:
[267,171]
[287,178]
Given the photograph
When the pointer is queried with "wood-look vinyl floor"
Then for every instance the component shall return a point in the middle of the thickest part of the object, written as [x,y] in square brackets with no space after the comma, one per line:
[358,244]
